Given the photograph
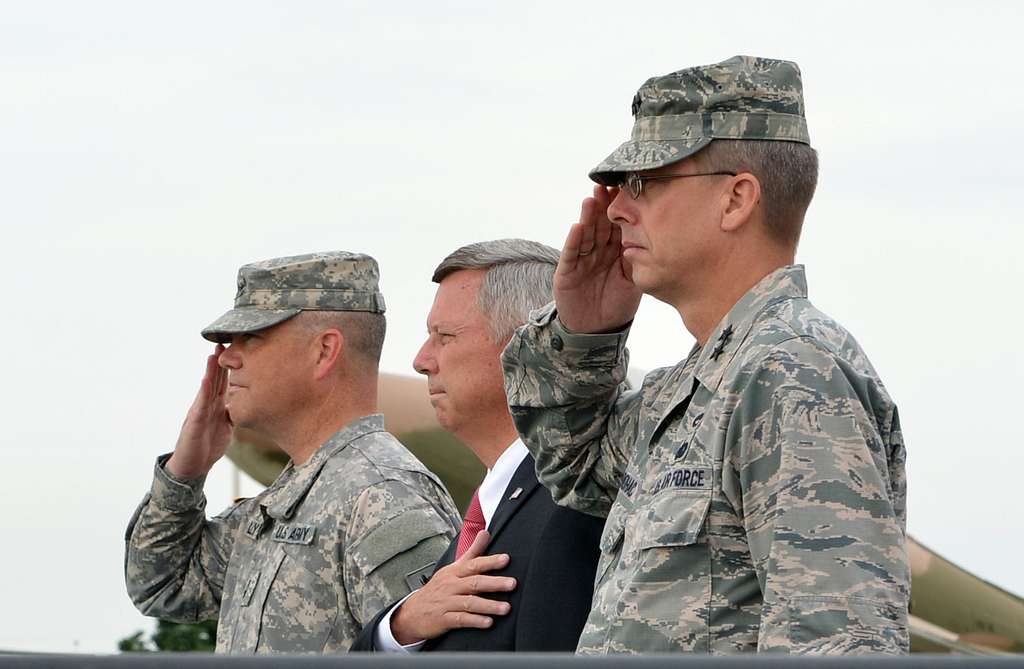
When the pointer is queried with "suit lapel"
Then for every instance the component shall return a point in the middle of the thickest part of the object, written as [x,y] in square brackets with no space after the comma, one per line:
[525,479]
[448,556]
[525,482]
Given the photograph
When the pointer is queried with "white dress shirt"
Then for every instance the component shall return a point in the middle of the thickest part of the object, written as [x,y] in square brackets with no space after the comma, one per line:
[491,491]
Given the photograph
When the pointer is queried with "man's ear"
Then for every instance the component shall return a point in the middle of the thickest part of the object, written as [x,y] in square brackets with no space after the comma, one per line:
[740,201]
[328,347]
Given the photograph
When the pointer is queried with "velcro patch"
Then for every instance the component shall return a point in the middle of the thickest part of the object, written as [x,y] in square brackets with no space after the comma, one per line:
[687,478]
[295,534]
[254,527]
[628,484]
[417,579]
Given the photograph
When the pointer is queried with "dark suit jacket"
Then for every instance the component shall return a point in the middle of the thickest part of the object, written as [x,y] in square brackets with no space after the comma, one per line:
[553,555]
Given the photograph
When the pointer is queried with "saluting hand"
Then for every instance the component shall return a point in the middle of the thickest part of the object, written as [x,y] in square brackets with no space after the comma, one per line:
[206,433]
[593,289]
[451,600]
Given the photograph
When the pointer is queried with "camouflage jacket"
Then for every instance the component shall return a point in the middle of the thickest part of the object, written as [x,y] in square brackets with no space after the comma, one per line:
[755,492]
[305,564]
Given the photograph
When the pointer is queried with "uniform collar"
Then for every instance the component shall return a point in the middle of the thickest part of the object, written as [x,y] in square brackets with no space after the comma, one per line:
[785,283]
[282,499]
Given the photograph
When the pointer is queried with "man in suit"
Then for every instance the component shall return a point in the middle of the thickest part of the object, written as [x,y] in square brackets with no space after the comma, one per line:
[532,591]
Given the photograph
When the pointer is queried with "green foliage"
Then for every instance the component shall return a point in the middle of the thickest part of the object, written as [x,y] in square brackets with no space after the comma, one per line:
[173,637]
[133,644]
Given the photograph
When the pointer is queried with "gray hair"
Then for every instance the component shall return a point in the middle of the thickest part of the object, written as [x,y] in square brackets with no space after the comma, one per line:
[520,277]
[363,331]
[788,172]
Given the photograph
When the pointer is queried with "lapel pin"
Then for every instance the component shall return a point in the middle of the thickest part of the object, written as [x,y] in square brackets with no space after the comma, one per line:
[516,493]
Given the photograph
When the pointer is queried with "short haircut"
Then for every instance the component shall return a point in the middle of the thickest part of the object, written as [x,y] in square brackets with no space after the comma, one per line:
[788,172]
[520,278]
[363,330]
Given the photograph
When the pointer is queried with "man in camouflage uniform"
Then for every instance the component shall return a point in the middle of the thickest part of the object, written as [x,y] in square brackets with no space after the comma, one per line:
[755,492]
[349,524]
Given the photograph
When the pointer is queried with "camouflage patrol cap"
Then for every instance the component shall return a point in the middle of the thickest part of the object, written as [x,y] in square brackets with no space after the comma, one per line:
[272,291]
[678,114]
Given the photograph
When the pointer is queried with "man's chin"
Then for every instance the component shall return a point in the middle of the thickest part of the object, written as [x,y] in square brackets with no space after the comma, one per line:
[643,278]
[443,418]
[439,415]
[239,419]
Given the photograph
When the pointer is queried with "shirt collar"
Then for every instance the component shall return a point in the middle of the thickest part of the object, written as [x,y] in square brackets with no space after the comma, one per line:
[290,488]
[785,283]
[492,488]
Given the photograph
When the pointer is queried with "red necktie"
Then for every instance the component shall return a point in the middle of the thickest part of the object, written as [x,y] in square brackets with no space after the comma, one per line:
[471,525]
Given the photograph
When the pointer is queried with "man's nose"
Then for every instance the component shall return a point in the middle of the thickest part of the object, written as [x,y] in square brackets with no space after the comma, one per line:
[229,358]
[622,208]
[424,362]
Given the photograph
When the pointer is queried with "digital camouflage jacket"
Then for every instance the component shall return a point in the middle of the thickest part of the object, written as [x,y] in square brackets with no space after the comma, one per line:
[305,564]
[755,492]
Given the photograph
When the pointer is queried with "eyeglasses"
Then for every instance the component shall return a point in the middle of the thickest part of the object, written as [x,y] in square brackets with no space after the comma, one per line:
[635,183]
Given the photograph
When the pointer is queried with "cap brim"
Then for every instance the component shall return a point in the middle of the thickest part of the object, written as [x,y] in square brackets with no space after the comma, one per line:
[241,321]
[639,155]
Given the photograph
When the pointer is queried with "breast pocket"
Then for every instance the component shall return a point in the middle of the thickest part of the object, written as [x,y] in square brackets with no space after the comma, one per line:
[240,630]
[301,605]
[611,544]
[669,588]
[671,542]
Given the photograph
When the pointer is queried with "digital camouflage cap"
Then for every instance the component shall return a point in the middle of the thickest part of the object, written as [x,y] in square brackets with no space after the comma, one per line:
[272,291]
[678,114]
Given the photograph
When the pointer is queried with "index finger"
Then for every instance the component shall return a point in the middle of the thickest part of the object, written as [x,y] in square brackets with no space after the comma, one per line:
[582,233]
[482,564]
[209,387]
[476,549]
[603,196]
[222,373]
[570,254]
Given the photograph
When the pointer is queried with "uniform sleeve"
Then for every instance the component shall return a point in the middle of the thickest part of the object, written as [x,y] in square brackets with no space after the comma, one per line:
[394,537]
[176,559]
[815,464]
[564,393]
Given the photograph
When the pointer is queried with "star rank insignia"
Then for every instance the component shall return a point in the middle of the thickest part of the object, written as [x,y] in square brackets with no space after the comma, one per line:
[723,339]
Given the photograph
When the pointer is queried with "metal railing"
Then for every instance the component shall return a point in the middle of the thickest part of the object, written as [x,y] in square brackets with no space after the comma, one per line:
[496,661]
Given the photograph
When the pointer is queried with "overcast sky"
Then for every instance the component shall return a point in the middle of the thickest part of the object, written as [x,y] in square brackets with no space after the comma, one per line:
[149,149]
